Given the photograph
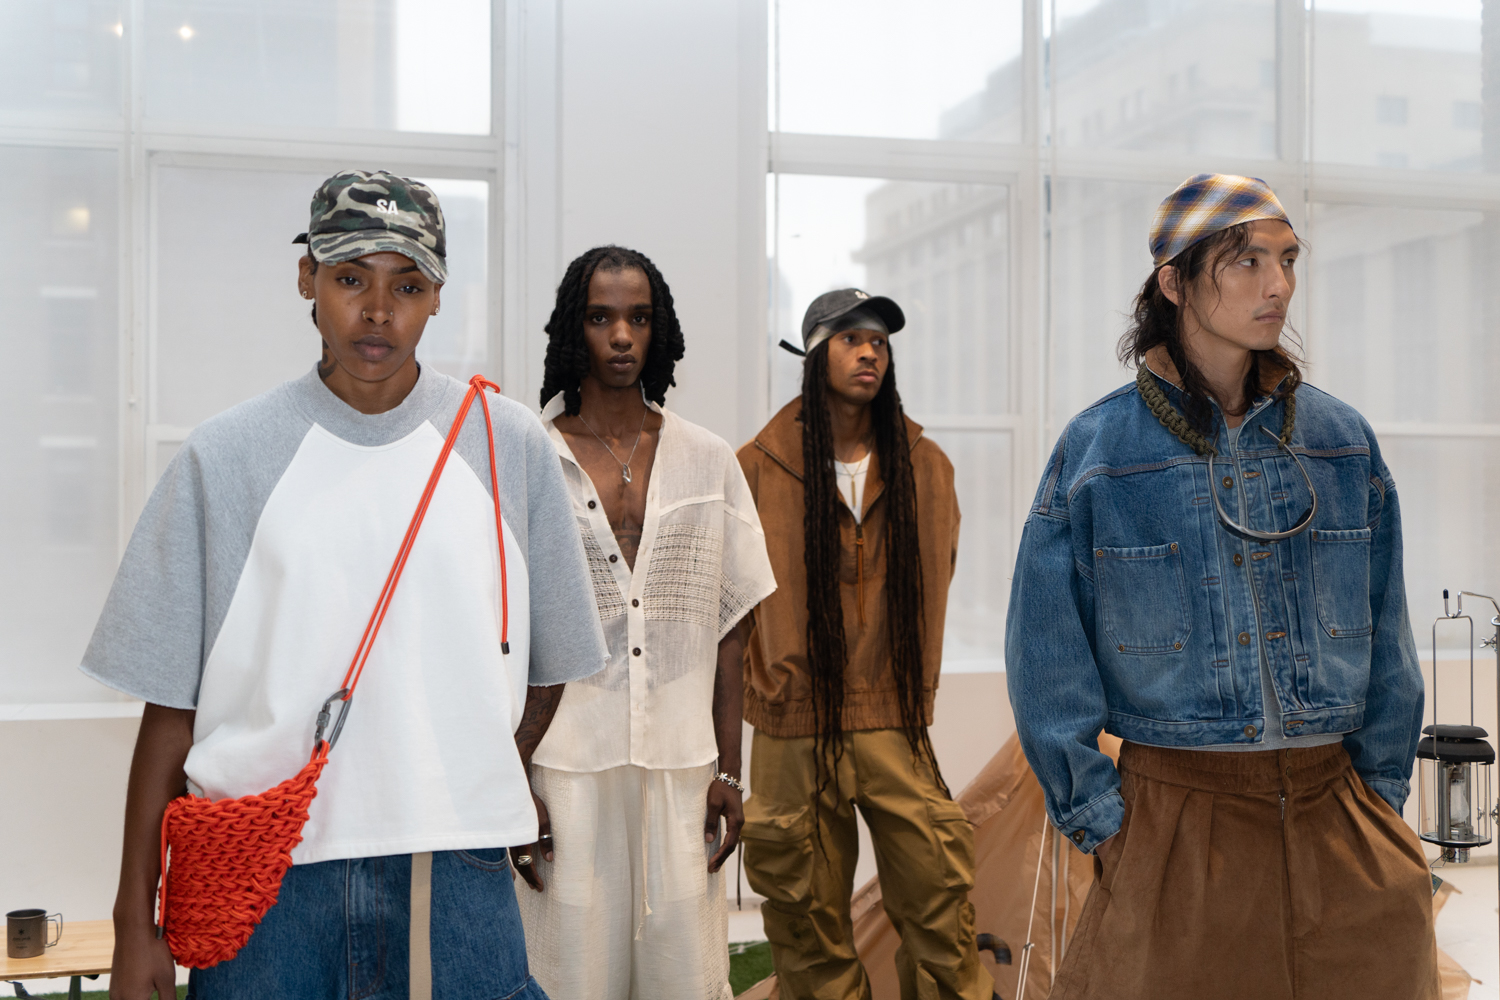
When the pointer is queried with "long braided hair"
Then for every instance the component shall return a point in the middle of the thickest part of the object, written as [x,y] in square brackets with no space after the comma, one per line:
[1155,320]
[567,348]
[827,648]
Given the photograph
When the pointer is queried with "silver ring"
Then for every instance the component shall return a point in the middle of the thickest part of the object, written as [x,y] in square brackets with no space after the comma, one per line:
[522,860]
[545,836]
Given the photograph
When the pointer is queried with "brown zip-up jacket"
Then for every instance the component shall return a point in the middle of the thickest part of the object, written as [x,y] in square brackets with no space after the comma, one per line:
[778,688]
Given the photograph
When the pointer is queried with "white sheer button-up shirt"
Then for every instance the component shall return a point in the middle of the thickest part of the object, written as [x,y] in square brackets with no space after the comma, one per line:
[701,567]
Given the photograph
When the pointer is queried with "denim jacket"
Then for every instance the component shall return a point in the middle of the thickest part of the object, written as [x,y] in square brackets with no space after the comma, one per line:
[1134,611]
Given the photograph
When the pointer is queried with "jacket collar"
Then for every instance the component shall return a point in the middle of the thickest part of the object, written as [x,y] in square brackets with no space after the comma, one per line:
[781,439]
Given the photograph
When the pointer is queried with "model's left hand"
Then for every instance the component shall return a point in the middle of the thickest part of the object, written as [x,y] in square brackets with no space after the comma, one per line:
[725,802]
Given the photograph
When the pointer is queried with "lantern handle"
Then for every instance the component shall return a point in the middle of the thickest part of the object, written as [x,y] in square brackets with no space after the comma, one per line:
[1456,616]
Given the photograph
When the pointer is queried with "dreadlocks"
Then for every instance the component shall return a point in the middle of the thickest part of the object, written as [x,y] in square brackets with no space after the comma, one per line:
[567,350]
[827,650]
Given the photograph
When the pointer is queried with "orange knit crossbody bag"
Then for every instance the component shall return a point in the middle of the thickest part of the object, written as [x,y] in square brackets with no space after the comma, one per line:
[227,858]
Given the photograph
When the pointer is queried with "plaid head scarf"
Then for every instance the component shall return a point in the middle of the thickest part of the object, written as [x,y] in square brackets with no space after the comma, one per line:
[1206,204]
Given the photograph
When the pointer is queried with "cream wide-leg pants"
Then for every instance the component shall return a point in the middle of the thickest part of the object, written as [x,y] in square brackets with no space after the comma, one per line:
[629,911]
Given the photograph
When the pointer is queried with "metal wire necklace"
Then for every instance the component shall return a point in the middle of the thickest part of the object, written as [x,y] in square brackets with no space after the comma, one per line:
[625,465]
[1156,401]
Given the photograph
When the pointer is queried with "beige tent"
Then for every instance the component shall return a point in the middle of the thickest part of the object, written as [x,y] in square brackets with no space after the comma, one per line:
[1019,856]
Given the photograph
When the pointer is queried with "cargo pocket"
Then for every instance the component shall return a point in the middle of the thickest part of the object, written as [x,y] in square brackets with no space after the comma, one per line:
[1341,581]
[779,851]
[1143,598]
[954,837]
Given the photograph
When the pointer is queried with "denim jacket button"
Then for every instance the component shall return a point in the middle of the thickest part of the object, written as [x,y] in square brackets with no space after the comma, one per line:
[1228,482]
[1244,638]
[1250,731]
[1239,560]
[1077,836]
[1099,553]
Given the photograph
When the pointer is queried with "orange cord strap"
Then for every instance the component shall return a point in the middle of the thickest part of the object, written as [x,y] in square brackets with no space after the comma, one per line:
[228,857]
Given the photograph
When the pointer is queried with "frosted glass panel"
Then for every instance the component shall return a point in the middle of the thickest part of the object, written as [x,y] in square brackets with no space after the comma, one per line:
[457,338]
[230,324]
[1099,260]
[59,487]
[941,251]
[977,600]
[411,65]
[61,58]
[1451,524]
[1404,321]
[1196,76]
[1396,83]
[943,69]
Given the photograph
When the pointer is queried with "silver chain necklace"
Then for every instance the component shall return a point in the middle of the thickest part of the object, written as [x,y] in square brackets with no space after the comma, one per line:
[625,465]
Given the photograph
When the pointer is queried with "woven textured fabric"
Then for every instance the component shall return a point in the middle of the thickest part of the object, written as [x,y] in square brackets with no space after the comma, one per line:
[227,862]
[1205,204]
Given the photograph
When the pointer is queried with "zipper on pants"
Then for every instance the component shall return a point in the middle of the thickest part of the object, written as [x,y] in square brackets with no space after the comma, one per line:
[1282,797]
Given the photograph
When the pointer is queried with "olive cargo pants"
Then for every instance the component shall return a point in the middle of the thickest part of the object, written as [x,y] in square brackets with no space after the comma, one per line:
[924,851]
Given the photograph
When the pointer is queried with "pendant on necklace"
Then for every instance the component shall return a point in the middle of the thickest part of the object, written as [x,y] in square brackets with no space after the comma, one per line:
[625,472]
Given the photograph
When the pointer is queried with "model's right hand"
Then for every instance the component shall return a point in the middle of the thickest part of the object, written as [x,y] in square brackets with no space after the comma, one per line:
[142,965]
[540,850]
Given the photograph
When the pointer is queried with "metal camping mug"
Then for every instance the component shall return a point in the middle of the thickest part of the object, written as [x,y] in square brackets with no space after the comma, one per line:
[26,933]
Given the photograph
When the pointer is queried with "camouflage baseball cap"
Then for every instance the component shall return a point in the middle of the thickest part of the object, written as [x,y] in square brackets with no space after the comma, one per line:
[359,212]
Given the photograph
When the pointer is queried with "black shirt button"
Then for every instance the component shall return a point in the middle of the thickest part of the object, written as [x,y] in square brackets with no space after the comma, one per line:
[636,651]
[614,558]
[635,602]
[592,505]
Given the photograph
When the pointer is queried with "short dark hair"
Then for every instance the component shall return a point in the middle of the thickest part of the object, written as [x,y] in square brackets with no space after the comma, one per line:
[567,349]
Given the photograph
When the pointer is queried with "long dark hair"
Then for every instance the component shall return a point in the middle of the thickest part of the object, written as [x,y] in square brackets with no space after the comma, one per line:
[827,649]
[567,349]
[1155,320]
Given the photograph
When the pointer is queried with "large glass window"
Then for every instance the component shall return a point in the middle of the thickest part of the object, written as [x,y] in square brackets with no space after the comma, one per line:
[287,64]
[886,68]
[1396,83]
[59,518]
[1349,108]
[149,273]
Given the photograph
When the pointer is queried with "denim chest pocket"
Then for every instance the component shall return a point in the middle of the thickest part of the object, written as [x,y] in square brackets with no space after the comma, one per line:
[1341,581]
[1143,598]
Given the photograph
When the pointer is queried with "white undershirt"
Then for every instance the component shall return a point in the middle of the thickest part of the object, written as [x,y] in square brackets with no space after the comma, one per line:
[851,480]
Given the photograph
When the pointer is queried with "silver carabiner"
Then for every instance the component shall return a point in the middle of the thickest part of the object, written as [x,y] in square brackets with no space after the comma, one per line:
[1250,534]
[326,713]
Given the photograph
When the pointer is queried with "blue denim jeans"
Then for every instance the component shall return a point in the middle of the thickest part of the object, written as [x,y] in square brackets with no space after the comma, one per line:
[340,929]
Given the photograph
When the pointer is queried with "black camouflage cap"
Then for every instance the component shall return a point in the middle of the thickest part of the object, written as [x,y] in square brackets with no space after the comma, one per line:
[828,307]
[359,212]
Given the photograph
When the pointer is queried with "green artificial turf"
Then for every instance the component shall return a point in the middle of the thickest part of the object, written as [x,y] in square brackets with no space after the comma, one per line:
[749,963]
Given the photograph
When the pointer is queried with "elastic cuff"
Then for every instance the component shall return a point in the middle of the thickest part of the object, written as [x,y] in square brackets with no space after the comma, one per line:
[1096,822]
[1393,791]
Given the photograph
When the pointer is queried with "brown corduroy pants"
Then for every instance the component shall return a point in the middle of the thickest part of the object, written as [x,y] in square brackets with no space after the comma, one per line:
[1277,875]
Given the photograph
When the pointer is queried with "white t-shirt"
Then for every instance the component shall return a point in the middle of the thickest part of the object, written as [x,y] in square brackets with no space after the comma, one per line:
[851,480]
[252,573]
[701,567]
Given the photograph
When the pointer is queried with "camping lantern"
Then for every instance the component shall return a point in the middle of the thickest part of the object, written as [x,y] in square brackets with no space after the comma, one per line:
[1453,781]
[1453,770]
